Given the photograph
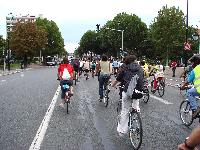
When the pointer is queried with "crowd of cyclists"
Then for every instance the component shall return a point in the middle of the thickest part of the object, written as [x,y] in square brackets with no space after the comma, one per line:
[124,72]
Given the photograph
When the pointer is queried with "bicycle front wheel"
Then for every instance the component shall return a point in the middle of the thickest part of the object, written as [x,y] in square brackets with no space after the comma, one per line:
[135,129]
[186,113]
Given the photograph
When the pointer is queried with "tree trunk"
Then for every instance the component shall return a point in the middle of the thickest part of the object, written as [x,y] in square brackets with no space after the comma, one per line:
[25,61]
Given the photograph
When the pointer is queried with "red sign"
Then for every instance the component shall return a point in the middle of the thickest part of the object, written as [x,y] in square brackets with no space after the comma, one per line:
[187,46]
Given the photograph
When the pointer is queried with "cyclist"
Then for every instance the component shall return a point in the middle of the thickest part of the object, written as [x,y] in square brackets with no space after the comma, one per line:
[104,66]
[115,66]
[65,75]
[93,67]
[192,141]
[194,78]
[129,70]
[81,67]
[145,69]
[158,72]
[86,67]
[76,65]
[186,71]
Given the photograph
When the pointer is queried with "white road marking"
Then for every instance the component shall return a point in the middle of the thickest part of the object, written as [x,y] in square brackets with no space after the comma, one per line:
[45,122]
[3,80]
[161,100]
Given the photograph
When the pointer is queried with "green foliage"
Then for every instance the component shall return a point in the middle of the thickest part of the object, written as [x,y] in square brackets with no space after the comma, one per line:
[27,39]
[110,41]
[55,42]
[2,45]
[168,32]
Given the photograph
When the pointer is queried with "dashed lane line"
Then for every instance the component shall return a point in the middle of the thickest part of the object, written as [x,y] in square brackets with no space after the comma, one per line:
[160,100]
[45,122]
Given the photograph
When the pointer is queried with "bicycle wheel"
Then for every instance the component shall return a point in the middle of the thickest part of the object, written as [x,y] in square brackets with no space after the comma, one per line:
[161,88]
[75,78]
[105,99]
[152,89]
[146,95]
[135,129]
[186,113]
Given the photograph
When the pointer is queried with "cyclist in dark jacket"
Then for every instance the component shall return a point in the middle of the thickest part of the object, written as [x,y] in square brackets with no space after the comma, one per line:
[131,77]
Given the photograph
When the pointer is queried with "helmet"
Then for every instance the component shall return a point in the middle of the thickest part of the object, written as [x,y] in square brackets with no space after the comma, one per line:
[157,62]
[195,57]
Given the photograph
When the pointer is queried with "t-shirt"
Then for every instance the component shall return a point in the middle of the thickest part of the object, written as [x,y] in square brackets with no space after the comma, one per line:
[69,68]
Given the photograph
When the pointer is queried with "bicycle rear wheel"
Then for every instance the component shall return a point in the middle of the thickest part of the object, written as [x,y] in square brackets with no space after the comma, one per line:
[135,129]
[161,88]
[105,100]
[185,113]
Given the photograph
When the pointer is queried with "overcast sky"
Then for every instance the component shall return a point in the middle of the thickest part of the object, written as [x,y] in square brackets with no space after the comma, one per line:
[75,17]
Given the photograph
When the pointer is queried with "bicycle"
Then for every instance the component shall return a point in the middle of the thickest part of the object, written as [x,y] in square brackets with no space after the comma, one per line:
[160,86]
[106,91]
[186,113]
[135,123]
[75,77]
[146,95]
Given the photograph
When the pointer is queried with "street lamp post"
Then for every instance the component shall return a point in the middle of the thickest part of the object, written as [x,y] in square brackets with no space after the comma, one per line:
[8,28]
[196,38]
[122,36]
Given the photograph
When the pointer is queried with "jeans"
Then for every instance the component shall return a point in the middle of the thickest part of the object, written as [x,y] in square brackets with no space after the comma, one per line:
[122,126]
[103,78]
[191,93]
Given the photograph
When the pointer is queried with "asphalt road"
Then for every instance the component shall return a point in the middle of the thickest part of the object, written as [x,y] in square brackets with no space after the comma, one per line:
[25,98]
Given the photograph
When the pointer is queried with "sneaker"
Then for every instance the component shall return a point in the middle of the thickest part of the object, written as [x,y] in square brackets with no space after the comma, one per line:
[100,99]
[61,105]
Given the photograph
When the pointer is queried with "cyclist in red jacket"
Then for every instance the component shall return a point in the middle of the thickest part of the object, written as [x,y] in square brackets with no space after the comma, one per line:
[65,75]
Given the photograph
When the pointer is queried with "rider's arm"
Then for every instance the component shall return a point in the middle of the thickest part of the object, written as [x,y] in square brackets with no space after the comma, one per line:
[192,141]
[190,79]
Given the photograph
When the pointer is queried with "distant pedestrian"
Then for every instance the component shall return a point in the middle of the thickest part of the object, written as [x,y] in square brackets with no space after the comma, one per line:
[173,66]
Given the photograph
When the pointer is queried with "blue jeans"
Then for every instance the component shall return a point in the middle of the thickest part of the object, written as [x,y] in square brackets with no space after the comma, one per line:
[103,78]
[191,93]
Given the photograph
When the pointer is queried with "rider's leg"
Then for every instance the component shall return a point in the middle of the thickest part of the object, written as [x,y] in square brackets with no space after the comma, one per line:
[191,98]
[101,84]
[122,126]
[155,83]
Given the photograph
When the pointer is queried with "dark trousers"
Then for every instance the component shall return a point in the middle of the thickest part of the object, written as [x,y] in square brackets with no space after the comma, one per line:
[63,82]
[102,80]
[173,71]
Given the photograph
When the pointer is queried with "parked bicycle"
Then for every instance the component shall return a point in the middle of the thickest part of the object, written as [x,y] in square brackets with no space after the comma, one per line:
[186,113]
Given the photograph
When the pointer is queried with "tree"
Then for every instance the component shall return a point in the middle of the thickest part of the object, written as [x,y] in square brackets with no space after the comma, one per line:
[55,42]
[89,42]
[27,39]
[135,33]
[2,45]
[168,32]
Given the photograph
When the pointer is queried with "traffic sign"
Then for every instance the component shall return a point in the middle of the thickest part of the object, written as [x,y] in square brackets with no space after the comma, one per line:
[187,46]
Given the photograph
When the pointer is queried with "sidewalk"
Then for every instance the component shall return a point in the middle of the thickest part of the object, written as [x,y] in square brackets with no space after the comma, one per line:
[178,72]
[13,71]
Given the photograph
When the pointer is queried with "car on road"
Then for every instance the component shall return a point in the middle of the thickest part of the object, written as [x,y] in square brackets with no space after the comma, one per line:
[50,61]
